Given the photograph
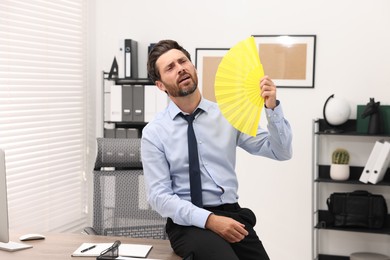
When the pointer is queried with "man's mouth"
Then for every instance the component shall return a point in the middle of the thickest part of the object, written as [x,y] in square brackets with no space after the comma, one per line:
[184,78]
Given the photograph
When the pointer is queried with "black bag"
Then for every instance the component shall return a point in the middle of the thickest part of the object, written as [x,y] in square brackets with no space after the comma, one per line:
[357,209]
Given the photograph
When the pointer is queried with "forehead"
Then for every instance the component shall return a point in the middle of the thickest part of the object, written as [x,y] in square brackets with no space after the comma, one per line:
[169,57]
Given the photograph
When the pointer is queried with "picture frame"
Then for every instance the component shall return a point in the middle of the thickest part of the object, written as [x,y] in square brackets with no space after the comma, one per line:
[206,63]
[289,60]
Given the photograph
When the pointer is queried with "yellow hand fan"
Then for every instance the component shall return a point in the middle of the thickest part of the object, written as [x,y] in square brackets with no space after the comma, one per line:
[237,86]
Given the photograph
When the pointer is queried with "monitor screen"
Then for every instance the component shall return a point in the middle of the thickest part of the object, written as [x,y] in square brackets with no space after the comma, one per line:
[5,244]
[4,237]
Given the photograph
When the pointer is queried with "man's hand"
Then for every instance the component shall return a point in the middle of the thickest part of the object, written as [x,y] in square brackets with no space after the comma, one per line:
[268,92]
[228,228]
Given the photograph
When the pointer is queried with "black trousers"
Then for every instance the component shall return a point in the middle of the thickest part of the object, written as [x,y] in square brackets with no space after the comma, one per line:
[204,244]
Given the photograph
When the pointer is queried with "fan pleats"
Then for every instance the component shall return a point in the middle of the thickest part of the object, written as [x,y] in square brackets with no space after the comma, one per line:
[237,86]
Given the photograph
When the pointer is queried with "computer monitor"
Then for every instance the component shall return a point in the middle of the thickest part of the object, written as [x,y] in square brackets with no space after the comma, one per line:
[5,244]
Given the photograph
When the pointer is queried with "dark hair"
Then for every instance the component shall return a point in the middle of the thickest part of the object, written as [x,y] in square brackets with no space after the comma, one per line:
[159,49]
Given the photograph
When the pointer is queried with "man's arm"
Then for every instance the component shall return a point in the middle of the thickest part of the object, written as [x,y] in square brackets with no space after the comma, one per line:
[160,194]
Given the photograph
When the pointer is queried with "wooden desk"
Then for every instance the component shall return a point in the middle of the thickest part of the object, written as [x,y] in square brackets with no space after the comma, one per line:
[61,246]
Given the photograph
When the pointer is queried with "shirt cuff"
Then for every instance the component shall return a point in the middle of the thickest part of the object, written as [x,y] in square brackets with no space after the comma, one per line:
[199,217]
[275,115]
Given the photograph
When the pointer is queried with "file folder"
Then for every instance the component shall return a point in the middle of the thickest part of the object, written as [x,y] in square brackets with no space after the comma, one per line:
[131,59]
[381,164]
[365,176]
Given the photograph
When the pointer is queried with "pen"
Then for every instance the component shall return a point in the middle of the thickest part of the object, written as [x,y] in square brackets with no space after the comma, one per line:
[89,248]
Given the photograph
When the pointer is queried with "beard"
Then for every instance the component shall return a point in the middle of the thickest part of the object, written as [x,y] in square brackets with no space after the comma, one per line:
[188,91]
[174,90]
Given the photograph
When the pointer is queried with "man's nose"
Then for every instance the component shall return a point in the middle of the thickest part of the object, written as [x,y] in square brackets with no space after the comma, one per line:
[180,69]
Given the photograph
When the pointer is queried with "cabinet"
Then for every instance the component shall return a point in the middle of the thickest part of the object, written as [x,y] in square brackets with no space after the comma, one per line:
[331,243]
[128,105]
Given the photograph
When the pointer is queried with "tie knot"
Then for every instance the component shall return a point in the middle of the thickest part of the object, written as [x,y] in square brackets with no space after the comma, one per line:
[190,118]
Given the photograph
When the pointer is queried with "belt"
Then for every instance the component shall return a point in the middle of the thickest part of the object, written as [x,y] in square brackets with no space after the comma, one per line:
[224,207]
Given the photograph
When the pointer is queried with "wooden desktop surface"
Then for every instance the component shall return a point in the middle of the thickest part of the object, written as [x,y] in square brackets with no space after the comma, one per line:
[62,245]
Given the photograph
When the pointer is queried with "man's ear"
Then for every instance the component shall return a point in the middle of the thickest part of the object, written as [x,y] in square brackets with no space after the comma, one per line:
[160,85]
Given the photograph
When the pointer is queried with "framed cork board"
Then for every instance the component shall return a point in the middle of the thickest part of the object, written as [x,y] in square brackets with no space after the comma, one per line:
[289,60]
[206,62]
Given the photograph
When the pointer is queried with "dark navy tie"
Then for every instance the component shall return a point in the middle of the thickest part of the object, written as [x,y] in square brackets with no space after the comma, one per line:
[195,182]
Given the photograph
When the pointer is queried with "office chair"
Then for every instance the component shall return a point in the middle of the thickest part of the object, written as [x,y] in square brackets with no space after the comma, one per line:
[119,200]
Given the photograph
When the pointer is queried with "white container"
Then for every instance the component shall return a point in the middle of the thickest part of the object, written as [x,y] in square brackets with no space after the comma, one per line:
[368,256]
[339,172]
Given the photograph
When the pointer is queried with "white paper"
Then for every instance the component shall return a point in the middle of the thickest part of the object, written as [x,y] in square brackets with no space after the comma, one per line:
[132,250]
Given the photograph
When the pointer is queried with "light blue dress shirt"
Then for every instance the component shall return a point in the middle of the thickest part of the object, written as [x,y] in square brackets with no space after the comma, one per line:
[164,154]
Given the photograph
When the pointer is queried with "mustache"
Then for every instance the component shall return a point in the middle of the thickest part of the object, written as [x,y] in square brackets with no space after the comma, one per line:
[185,76]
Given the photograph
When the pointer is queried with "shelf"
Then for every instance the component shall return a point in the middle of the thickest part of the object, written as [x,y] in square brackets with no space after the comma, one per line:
[128,124]
[348,128]
[325,217]
[355,172]
[133,82]
[332,257]
[128,81]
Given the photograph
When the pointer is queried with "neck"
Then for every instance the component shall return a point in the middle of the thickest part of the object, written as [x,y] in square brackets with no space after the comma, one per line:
[188,103]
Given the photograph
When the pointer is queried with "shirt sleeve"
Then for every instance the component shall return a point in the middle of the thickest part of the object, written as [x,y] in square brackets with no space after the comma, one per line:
[276,143]
[159,187]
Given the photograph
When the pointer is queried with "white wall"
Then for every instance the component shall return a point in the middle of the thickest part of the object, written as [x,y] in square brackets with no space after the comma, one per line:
[352,61]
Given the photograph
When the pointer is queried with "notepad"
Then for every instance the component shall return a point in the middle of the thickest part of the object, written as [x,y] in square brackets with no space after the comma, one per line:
[131,250]
[133,258]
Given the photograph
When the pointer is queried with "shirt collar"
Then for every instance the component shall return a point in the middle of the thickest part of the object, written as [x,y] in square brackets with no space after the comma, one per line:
[174,110]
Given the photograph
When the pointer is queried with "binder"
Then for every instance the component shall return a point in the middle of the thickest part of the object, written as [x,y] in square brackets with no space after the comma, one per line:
[138,103]
[116,104]
[131,59]
[120,58]
[127,100]
[381,164]
[155,101]
[365,176]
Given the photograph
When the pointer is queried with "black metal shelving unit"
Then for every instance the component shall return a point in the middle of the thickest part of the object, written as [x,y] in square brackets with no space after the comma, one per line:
[122,81]
[321,176]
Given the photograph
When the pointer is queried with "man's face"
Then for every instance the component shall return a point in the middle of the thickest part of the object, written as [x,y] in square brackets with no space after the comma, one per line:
[178,74]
